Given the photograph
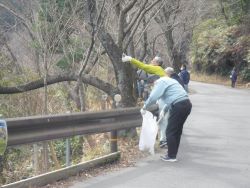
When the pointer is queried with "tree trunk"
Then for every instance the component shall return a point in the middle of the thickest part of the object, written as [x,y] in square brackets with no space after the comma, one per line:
[170,43]
[123,72]
[81,95]
[177,58]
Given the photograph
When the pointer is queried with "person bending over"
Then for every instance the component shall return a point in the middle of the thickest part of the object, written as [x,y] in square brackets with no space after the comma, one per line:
[169,92]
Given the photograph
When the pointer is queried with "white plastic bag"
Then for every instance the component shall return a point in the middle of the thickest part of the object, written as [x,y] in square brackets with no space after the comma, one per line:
[148,134]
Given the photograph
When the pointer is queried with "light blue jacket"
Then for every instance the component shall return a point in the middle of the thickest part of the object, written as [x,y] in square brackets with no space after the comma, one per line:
[166,91]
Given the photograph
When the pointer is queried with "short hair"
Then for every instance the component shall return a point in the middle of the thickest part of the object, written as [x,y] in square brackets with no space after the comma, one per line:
[158,60]
[169,70]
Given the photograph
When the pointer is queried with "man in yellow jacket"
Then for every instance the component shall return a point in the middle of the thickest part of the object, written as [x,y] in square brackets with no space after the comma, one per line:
[153,68]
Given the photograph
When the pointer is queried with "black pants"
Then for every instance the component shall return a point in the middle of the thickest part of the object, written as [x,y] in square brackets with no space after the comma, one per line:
[233,84]
[177,117]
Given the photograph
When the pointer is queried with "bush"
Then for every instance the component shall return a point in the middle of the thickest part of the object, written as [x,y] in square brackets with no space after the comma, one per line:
[217,48]
[246,75]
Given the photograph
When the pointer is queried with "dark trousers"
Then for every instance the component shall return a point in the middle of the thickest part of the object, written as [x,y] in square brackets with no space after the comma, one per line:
[233,83]
[177,117]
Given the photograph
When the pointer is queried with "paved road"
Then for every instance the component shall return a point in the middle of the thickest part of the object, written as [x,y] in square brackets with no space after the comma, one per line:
[214,150]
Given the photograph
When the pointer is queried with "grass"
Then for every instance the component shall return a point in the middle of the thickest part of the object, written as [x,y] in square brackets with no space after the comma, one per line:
[215,79]
[2,146]
[130,154]
[212,79]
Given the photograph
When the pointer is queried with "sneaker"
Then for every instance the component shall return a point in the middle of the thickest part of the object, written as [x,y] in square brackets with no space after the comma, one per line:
[168,159]
[163,144]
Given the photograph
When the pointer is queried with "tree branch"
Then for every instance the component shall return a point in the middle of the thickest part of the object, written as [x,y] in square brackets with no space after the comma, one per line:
[133,21]
[145,42]
[146,25]
[21,18]
[93,62]
[121,22]
[138,22]
[14,59]
[93,34]
[39,83]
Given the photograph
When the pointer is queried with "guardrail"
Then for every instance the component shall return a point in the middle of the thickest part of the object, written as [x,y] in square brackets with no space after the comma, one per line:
[41,128]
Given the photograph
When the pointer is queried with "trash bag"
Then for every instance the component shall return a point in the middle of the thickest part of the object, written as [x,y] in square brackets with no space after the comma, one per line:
[148,134]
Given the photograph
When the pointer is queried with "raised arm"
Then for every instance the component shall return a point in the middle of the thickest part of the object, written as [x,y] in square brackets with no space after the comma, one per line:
[151,69]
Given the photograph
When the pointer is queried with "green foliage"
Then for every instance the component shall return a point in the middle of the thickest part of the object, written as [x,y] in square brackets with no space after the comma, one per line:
[2,145]
[217,47]
[246,75]
[17,105]
[50,8]
[16,163]
[235,10]
[60,4]
[76,149]
[53,25]
[63,63]
[245,6]
[66,61]
[8,76]
[246,72]
[36,45]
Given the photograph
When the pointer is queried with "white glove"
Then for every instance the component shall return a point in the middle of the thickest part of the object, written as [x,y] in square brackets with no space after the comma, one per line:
[143,112]
[126,58]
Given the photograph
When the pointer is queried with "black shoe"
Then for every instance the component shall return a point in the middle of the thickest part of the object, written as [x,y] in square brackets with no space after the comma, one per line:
[163,144]
[168,159]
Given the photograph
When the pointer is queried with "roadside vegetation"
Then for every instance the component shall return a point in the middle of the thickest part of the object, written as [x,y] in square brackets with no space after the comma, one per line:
[64,56]
[223,42]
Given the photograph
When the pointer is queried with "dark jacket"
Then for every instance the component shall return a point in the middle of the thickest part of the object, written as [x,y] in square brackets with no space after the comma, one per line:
[185,77]
[177,78]
[233,75]
[148,78]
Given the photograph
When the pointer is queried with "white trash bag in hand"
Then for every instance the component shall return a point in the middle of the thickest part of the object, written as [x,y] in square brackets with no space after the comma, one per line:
[148,134]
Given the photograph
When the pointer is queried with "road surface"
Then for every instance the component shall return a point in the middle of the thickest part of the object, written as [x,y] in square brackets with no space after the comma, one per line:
[214,150]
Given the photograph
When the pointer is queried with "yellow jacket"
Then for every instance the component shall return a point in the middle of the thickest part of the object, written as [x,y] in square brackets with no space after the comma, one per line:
[151,69]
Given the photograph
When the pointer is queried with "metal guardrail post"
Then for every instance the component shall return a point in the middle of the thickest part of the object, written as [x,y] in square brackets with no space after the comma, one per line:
[45,156]
[67,150]
[68,161]
[113,134]
[35,159]
[113,141]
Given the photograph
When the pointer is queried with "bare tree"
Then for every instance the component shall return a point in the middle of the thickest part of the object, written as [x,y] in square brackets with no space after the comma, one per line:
[177,20]
[114,42]
[115,45]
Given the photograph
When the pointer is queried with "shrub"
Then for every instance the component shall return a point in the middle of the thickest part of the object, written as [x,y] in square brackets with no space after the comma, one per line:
[217,48]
